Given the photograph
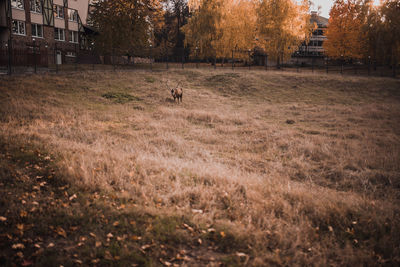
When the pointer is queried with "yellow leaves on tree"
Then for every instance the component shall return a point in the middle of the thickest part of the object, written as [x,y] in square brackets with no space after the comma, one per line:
[217,27]
[202,28]
[236,28]
[283,25]
[345,35]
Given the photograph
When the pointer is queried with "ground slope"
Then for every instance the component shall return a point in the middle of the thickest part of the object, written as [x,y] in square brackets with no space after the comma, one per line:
[253,168]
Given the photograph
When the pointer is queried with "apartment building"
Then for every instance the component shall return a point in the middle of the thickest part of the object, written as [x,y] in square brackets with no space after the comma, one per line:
[314,47]
[44,24]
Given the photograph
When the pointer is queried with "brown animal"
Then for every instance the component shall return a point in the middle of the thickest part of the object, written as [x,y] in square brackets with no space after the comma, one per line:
[176,92]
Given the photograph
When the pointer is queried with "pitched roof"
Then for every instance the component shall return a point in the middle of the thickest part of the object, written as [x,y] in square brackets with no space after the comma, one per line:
[321,21]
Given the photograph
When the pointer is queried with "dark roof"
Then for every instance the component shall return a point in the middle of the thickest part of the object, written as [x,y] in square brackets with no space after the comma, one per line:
[90,30]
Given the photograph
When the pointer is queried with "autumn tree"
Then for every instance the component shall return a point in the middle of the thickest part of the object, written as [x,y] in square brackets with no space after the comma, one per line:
[236,30]
[169,36]
[202,27]
[390,27]
[123,25]
[282,26]
[345,35]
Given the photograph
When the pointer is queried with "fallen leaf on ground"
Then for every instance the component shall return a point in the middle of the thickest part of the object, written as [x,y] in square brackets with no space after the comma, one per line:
[197,211]
[241,254]
[18,246]
[166,263]
[78,261]
[61,232]
[26,263]
[144,247]
[135,237]
[20,254]
[188,227]
[107,255]
[121,207]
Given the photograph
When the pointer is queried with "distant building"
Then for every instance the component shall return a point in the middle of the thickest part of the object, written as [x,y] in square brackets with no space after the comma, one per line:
[314,47]
[43,25]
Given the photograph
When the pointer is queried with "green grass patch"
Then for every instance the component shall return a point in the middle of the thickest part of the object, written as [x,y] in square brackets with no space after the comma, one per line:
[149,79]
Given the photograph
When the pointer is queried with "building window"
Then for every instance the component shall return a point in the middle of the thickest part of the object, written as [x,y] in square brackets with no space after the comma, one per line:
[72,15]
[18,27]
[70,54]
[17,4]
[73,36]
[37,30]
[59,11]
[36,6]
[59,34]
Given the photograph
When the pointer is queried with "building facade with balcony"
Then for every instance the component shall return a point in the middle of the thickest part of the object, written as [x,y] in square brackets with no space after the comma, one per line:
[43,26]
[313,49]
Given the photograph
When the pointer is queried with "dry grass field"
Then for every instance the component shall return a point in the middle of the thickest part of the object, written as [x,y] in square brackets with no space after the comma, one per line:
[255,168]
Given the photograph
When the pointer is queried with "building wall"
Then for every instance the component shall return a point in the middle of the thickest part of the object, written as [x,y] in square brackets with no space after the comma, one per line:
[82,7]
[314,47]
[3,15]
[48,42]
[18,14]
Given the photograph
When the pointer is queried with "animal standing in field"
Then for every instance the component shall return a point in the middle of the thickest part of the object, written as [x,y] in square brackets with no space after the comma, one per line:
[176,92]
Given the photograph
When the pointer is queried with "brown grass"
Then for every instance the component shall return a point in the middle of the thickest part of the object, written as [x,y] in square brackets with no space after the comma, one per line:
[321,191]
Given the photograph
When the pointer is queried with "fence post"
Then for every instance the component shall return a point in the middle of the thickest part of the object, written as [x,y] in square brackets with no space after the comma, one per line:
[327,65]
[76,58]
[249,58]
[233,64]
[34,54]
[55,56]
[312,64]
[266,62]
[151,57]
[9,50]
[369,65]
[197,60]
[166,52]
[183,57]
[215,61]
[341,65]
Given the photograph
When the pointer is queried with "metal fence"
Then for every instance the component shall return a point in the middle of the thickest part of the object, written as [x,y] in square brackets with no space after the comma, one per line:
[44,58]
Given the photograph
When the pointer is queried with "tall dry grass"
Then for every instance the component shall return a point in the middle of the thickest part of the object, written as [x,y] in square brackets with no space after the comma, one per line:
[321,191]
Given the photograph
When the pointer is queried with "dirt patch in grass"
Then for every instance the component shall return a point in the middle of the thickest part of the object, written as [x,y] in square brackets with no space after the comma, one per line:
[120,98]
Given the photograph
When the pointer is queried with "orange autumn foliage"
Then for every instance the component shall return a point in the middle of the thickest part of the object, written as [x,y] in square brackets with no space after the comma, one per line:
[345,35]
